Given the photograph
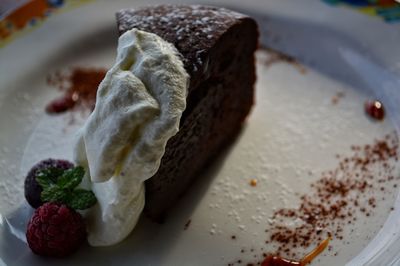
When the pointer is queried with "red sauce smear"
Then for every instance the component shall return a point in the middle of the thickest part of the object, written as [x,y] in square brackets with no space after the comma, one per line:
[278,261]
[375,110]
[80,91]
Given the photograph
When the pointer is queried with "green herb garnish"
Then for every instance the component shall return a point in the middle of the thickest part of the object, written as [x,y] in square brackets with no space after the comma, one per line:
[60,186]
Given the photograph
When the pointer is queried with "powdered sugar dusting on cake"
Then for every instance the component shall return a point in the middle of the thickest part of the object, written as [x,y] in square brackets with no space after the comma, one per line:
[207,19]
[189,27]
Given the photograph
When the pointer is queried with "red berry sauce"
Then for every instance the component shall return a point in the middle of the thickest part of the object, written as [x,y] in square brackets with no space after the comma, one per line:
[375,110]
[278,261]
[79,87]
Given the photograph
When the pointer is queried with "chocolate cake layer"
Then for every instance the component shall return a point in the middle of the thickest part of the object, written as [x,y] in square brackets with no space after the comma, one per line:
[217,47]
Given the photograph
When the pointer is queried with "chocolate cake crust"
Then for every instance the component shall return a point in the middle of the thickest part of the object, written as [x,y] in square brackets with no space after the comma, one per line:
[192,29]
[217,47]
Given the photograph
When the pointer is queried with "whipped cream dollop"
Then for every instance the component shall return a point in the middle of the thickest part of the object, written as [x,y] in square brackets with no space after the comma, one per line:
[138,108]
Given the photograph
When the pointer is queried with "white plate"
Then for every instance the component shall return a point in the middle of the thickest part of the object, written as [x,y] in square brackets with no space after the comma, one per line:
[294,130]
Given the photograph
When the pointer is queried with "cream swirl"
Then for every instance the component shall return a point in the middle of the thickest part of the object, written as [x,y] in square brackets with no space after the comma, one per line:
[138,108]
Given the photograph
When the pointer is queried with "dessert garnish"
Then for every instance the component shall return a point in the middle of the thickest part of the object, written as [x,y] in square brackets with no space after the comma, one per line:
[341,196]
[279,57]
[333,200]
[278,261]
[375,109]
[138,109]
[55,228]
[60,186]
[79,87]
[32,187]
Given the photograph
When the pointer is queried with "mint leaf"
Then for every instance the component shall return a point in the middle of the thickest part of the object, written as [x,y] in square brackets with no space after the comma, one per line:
[59,186]
[44,181]
[81,199]
[71,178]
[48,177]
[54,194]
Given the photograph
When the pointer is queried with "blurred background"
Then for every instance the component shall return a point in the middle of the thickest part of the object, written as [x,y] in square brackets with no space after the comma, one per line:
[7,5]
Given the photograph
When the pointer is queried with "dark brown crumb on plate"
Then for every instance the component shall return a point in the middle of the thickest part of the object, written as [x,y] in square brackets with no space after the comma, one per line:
[337,97]
[187,224]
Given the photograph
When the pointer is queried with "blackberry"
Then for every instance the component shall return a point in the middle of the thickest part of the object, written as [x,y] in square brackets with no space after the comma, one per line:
[32,188]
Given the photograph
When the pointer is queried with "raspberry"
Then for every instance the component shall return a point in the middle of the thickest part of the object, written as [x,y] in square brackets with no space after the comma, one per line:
[55,230]
[32,188]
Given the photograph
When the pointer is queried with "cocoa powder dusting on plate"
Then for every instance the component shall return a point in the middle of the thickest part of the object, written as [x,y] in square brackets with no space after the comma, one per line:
[334,199]
[336,196]
[275,56]
[337,97]
[79,86]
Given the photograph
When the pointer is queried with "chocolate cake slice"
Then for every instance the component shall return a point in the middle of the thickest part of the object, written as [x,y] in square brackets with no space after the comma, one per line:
[217,47]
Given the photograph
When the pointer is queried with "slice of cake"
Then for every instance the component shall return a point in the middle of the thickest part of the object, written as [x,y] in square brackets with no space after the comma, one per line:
[179,91]
[217,47]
